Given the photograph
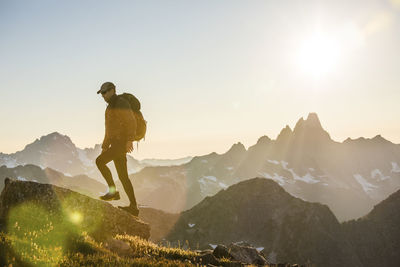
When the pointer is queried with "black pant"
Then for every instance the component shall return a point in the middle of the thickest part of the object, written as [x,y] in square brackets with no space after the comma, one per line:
[117,153]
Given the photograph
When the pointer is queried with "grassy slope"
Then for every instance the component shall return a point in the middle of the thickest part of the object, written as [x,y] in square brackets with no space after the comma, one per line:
[83,251]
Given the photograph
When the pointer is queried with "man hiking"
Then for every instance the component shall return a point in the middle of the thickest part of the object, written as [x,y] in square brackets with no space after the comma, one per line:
[120,129]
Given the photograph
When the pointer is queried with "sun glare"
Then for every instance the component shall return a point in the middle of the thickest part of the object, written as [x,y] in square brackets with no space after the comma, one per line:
[318,55]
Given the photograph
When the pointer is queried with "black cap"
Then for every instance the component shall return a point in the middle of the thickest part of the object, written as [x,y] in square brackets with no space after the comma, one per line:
[105,87]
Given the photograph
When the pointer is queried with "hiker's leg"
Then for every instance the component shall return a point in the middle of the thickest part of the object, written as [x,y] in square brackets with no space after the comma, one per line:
[101,161]
[120,165]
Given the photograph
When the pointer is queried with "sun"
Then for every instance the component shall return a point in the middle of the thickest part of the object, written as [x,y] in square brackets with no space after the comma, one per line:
[318,55]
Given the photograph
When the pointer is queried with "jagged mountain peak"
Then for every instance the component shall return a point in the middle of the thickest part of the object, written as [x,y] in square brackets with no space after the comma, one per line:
[54,136]
[263,139]
[312,118]
[312,121]
[285,133]
[380,139]
[238,147]
[50,140]
[311,127]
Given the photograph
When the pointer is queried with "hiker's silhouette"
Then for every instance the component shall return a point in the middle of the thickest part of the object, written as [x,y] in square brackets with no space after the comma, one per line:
[120,129]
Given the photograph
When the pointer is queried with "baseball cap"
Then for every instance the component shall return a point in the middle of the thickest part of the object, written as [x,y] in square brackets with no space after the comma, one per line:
[105,87]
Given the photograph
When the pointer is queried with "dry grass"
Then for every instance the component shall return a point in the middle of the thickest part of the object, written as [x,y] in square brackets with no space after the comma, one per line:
[83,251]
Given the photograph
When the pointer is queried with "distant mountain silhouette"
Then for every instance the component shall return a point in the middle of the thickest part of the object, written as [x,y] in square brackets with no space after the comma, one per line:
[350,177]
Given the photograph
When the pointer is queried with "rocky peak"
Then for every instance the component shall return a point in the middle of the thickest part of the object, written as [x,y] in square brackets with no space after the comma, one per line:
[380,139]
[312,121]
[263,140]
[50,142]
[285,133]
[237,148]
[310,129]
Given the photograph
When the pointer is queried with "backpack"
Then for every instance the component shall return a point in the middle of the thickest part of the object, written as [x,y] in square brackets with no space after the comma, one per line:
[141,122]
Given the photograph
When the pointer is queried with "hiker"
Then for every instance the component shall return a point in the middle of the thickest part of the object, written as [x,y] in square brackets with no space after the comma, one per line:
[120,130]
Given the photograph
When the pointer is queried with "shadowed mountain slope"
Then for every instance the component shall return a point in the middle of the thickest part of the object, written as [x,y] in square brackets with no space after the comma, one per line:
[262,213]
[376,236]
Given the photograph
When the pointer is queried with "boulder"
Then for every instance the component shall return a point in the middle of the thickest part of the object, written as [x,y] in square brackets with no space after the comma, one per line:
[207,258]
[241,253]
[31,204]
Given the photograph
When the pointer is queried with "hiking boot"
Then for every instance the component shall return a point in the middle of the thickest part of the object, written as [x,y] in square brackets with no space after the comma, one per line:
[132,210]
[110,196]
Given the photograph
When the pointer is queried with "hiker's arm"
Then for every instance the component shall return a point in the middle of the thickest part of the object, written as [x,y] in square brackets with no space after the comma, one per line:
[106,142]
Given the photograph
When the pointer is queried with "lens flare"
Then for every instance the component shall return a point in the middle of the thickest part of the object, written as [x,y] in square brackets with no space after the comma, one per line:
[76,217]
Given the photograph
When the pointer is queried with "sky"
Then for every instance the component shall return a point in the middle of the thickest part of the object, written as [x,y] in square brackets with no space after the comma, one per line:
[208,73]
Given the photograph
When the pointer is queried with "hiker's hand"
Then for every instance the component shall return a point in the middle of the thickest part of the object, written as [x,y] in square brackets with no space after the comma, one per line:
[129,146]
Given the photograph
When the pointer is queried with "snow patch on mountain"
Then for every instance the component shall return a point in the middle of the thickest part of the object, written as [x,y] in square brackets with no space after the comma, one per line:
[367,187]
[377,174]
[83,158]
[212,178]
[273,161]
[224,186]
[191,224]
[20,178]
[279,179]
[209,185]
[308,178]
[46,153]
[8,161]
[395,167]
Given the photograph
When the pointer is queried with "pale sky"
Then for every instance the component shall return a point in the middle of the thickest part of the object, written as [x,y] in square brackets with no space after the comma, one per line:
[208,73]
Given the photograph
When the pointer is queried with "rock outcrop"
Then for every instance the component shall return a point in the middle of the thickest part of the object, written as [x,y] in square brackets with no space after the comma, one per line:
[26,204]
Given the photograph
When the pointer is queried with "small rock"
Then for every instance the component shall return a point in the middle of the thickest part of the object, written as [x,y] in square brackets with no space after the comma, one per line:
[207,258]
[247,255]
[221,251]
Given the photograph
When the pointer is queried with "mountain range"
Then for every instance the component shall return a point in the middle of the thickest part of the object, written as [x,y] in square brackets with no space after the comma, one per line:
[350,177]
